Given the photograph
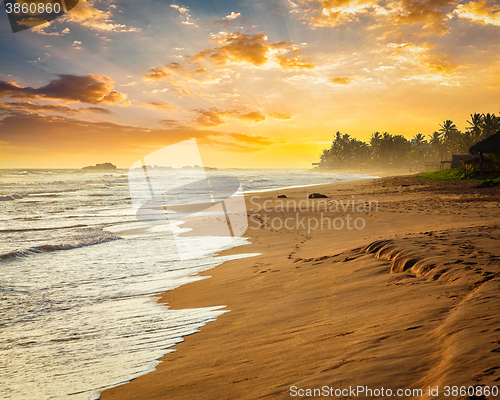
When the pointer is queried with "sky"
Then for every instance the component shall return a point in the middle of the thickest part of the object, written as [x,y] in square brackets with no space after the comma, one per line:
[258,84]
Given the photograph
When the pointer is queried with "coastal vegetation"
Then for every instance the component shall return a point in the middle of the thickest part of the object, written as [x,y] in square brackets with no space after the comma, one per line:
[384,150]
[458,174]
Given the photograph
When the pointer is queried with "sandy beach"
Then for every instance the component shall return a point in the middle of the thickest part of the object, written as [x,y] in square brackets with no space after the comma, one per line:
[390,283]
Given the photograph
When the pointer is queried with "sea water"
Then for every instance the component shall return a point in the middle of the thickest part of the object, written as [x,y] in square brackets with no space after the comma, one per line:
[78,275]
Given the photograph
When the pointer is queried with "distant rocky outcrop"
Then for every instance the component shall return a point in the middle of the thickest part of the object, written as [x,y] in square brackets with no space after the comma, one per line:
[106,166]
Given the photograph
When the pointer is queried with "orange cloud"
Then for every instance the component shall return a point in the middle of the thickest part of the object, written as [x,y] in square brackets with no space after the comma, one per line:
[321,13]
[254,116]
[86,14]
[183,92]
[93,89]
[479,12]
[28,106]
[283,116]
[255,49]
[294,62]
[200,74]
[160,73]
[399,17]
[212,117]
[160,105]
[419,56]
[239,47]
[41,30]
[236,47]
[340,80]
[215,116]
[157,74]
[432,15]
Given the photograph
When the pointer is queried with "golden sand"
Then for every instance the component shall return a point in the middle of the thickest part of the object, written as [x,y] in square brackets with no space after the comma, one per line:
[411,301]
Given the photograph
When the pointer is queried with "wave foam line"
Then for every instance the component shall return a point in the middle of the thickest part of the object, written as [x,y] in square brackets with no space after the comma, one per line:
[47,248]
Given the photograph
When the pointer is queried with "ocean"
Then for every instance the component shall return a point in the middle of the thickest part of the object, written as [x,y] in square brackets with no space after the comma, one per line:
[78,275]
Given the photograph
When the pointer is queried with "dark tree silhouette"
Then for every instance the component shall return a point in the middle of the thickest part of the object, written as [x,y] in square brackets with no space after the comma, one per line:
[388,151]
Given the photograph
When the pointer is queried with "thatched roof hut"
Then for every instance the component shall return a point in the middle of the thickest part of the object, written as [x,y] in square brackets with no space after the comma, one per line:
[458,160]
[489,145]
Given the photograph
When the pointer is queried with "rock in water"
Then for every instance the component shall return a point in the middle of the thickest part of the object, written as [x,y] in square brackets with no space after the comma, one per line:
[107,166]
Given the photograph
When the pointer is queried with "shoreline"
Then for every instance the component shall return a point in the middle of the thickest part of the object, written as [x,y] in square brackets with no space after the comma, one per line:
[316,296]
[369,178]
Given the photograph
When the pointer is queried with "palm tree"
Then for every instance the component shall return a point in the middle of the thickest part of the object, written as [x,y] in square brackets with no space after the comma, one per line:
[375,141]
[450,136]
[437,142]
[491,124]
[401,149]
[476,125]
[419,139]
[417,154]
[448,128]
[464,141]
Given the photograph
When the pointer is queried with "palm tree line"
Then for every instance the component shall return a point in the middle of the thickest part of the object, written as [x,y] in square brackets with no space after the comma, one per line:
[386,150]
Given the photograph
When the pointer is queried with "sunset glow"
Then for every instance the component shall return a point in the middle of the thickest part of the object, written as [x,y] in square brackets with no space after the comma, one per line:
[259,84]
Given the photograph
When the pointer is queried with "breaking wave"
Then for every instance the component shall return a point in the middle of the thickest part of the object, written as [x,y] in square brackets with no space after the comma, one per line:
[89,240]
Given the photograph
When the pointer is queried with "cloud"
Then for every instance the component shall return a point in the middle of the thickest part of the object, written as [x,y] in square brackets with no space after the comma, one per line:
[384,68]
[95,109]
[233,15]
[56,135]
[157,74]
[294,62]
[419,64]
[40,29]
[428,16]
[340,81]
[92,89]
[182,92]
[170,123]
[479,12]
[201,75]
[130,84]
[304,80]
[233,48]
[160,105]
[28,106]
[255,50]
[86,14]
[415,55]
[283,116]
[211,117]
[254,116]
[397,17]
[161,73]
[214,116]
[185,14]
[324,13]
